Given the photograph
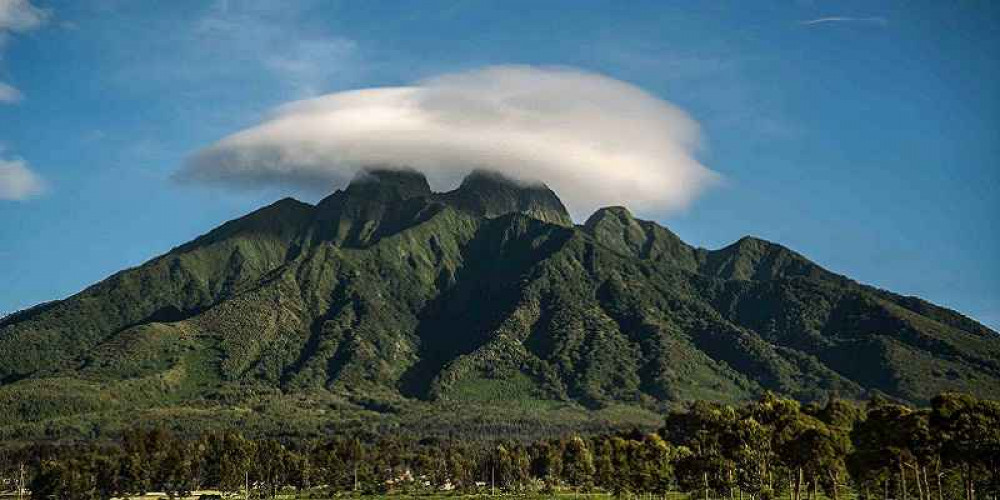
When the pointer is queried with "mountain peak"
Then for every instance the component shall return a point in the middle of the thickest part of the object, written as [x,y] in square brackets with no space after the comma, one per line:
[378,201]
[404,183]
[492,194]
[480,179]
[616,228]
[752,258]
[616,213]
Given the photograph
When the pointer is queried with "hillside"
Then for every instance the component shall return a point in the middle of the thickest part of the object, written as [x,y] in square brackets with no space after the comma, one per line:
[388,306]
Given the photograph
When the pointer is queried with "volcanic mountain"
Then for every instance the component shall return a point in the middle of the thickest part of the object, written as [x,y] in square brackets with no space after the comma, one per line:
[388,305]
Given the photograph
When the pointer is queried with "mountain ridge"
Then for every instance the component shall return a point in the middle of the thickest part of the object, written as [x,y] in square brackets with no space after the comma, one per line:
[386,300]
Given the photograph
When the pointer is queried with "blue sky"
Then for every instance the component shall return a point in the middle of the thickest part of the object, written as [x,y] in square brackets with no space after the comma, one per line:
[864,135]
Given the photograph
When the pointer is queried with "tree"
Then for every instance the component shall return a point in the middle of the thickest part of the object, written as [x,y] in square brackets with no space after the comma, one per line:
[578,463]
[233,456]
[750,451]
[658,457]
[604,468]
[546,462]
[177,474]
[71,479]
[703,429]
[969,432]
[270,466]
[884,448]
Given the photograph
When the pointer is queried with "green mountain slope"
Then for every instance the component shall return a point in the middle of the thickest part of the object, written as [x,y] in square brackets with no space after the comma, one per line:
[388,305]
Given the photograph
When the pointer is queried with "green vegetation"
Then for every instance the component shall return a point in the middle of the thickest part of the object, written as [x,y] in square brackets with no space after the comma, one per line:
[771,448]
[388,308]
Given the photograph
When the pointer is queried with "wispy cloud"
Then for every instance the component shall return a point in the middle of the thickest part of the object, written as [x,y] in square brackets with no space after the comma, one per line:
[9,94]
[270,36]
[17,181]
[17,16]
[845,19]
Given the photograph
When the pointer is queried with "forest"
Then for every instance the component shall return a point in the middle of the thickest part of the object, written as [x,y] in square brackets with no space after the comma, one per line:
[772,447]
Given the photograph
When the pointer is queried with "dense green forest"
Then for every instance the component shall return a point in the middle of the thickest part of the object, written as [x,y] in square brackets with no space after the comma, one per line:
[764,449]
[387,305]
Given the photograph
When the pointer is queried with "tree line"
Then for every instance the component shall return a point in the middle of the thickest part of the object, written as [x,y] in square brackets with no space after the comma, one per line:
[757,451]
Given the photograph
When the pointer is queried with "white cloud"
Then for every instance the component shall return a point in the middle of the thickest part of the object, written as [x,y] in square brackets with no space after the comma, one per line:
[270,35]
[595,140]
[17,16]
[845,19]
[17,181]
[308,65]
[9,94]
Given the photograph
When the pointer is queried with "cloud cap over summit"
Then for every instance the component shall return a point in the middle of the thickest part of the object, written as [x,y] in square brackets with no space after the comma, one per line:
[595,140]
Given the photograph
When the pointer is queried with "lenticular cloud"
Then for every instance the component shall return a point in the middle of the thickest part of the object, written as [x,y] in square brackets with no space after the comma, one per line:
[595,140]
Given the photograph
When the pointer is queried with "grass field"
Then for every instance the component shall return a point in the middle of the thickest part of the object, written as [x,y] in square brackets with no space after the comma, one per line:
[10,495]
[441,496]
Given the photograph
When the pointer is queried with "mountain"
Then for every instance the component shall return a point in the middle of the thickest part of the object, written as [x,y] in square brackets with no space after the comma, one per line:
[389,306]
